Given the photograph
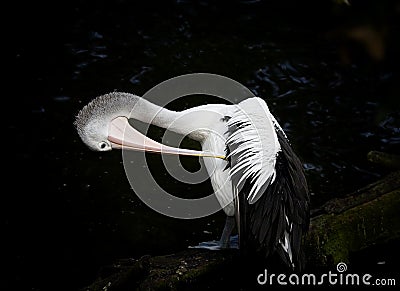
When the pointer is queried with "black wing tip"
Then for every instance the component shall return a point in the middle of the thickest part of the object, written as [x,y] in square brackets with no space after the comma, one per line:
[287,195]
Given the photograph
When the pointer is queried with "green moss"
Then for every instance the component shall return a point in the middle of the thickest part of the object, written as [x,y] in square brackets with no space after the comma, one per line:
[332,237]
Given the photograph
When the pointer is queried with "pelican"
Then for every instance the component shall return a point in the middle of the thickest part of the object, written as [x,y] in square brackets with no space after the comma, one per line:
[256,177]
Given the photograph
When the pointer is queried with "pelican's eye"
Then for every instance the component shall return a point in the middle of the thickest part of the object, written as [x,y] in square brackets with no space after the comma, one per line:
[103,145]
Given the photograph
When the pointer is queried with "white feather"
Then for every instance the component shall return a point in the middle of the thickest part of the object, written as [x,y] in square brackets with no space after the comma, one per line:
[255,145]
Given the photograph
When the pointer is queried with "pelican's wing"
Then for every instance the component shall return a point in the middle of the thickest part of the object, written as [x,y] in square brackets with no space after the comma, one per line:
[253,146]
[273,196]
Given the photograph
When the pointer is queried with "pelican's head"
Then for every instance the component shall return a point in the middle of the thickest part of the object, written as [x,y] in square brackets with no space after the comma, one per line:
[94,133]
[94,120]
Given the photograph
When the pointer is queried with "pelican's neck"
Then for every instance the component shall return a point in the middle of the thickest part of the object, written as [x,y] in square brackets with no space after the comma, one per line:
[148,112]
[193,122]
[132,106]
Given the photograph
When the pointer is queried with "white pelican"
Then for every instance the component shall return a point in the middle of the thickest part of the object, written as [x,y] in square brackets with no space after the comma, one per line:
[260,181]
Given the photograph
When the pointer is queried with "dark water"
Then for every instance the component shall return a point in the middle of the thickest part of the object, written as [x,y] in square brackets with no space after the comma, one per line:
[71,210]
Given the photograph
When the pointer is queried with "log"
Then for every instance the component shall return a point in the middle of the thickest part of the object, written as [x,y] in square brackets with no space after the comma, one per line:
[168,272]
[357,221]
[354,223]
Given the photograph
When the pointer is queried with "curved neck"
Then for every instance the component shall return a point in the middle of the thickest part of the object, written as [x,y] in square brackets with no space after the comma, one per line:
[132,106]
[193,122]
[148,112]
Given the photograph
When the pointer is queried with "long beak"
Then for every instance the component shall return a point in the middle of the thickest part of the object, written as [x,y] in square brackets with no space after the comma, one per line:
[122,135]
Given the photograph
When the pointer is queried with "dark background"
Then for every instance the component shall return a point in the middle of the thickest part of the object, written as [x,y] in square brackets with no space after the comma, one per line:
[328,71]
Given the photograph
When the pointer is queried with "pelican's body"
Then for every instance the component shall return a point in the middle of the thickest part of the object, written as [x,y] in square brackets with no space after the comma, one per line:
[254,172]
